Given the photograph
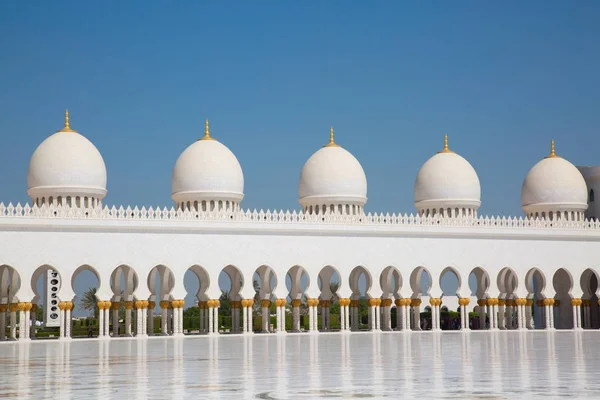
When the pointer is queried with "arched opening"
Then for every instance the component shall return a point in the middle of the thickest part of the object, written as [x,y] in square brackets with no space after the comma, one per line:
[589,284]
[10,283]
[329,282]
[85,281]
[46,282]
[264,282]
[297,282]
[479,283]
[507,284]
[123,283]
[420,284]
[390,282]
[231,282]
[535,283]
[360,282]
[196,282]
[161,281]
[450,283]
[563,311]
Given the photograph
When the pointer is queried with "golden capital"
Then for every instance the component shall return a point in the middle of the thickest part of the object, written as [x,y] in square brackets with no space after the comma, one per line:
[529,302]
[296,303]
[164,304]
[3,308]
[151,305]
[265,303]
[128,305]
[415,302]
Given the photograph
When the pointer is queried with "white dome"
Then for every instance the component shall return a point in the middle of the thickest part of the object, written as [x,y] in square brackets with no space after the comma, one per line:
[447,180]
[332,175]
[66,164]
[207,170]
[553,185]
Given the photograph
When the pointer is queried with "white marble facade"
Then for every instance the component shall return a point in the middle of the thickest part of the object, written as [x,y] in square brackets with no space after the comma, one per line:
[539,271]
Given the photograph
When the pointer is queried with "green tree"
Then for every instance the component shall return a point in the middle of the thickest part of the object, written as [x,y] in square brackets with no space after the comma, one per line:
[225,304]
[39,314]
[89,301]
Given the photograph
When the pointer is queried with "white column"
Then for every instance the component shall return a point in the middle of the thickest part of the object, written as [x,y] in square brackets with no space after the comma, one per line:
[22,324]
[245,317]
[106,321]
[100,319]
[62,321]
[406,314]
[575,312]
[249,324]
[138,321]
[210,318]
[25,324]
[68,323]
[164,330]
[278,318]
[216,319]
[347,311]
[342,315]
[175,319]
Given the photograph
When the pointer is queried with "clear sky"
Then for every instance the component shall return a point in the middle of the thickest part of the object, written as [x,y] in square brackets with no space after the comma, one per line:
[139,78]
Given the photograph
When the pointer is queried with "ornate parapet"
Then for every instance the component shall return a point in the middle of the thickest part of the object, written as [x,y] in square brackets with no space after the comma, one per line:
[284,217]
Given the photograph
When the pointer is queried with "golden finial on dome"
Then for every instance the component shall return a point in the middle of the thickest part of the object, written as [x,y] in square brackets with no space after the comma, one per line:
[67,127]
[552,151]
[207,132]
[446,149]
[332,142]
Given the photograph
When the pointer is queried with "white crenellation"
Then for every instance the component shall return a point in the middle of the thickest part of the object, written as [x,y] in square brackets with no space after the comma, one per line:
[268,216]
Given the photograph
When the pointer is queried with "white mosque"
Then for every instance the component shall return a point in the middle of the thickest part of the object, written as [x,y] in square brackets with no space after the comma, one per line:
[538,271]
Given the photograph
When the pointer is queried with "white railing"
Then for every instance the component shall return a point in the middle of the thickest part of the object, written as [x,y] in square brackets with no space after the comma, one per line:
[172,214]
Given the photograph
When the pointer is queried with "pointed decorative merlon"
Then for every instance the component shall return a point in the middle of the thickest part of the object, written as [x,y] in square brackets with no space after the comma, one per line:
[331,139]
[446,149]
[67,127]
[207,132]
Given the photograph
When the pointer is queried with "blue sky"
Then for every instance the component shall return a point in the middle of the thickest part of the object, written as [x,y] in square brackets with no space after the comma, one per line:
[139,78]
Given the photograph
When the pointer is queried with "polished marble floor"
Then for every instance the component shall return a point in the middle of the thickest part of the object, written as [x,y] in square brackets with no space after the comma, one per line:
[391,365]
